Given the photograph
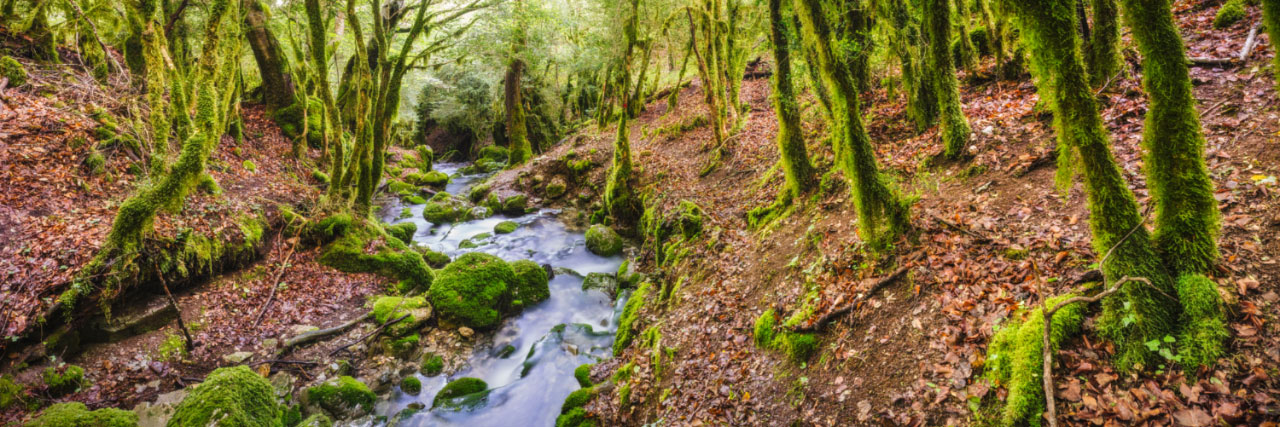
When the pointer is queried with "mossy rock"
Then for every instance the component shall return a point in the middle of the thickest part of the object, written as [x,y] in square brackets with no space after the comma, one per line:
[515,205]
[434,259]
[506,227]
[75,414]
[398,187]
[627,276]
[493,153]
[316,420]
[445,208]
[690,219]
[404,347]
[472,290]
[478,193]
[583,374]
[603,241]
[63,379]
[13,70]
[627,321]
[232,396]
[555,188]
[797,347]
[473,389]
[426,157]
[411,385]
[343,397]
[432,364]
[365,248]
[433,179]
[575,418]
[603,282]
[388,308]
[530,285]
[403,231]
[1230,13]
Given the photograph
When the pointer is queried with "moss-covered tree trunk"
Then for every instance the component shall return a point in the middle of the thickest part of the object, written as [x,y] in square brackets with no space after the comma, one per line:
[512,102]
[1271,17]
[942,74]
[800,176]
[904,40]
[858,25]
[968,57]
[882,215]
[1101,58]
[1140,313]
[619,197]
[318,33]
[711,88]
[1186,211]
[278,90]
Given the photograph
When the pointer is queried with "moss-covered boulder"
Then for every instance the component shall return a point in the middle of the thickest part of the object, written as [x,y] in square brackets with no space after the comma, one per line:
[603,282]
[75,414]
[343,397]
[627,322]
[365,248]
[433,179]
[445,208]
[411,385]
[506,227]
[401,187]
[317,420]
[555,188]
[389,308]
[603,241]
[432,364]
[234,396]
[426,157]
[493,153]
[434,258]
[11,69]
[403,231]
[583,374]
[403,347]
[530,285]
[1229,13]
[63,379]
[690,219]
[467,391]
[515,205]
[472,290]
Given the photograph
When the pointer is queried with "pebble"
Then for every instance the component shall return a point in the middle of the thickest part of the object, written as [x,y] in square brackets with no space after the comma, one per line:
[466,332]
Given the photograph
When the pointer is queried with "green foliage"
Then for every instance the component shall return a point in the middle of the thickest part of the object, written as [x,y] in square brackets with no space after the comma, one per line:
[174,347]
[1229,13]
[343,396]
[505,227]
[411,385]
[458,388]
[12,70]
[1015,359]
[583,374]
[603,241]
[530,284]
[233,396]
[472,290]
[1204,331]
[627,320]
[64,379]
[75,414]
[432,364]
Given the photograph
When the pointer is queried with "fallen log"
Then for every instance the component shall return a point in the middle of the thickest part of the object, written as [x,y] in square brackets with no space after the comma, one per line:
[309,336]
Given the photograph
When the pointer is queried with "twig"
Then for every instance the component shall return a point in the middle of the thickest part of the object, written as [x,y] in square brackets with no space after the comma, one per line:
[190,344]
[1201,60]
[957,227]
[94,28]
[275,284]
[1108,83]
[309,336]
[857,301]
[371,333]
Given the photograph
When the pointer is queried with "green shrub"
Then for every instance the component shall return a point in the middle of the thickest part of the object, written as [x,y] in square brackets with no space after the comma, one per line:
[75,414]
[506,227]
[471,290]
[233,396]
[603,241]
[11,69]
[459,388]
[343,396]
[1230,13]
[530,285]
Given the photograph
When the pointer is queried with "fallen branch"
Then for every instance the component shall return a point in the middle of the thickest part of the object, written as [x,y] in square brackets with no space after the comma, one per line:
[980,238]
[275,283]
[1203,61]
[821,322]
[306,337]
[371,333]
[190,344]
[1250,42]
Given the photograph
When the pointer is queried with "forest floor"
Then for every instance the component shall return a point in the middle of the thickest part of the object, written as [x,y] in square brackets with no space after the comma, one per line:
[993,235]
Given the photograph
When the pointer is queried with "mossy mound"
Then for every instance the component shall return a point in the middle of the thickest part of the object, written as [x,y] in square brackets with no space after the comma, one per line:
[764,331]
[344,397]
[432,364]
[400,187]
[1015,359]
[690,219]
[75,414]
[411,385]
[316,420]
[627,326]
[63,379]
[403,231]
[515,205]
[10,393]
[404,347]
[555,188]
[445,208]
[365,248]
[388,308]
[530,285]
[506,227]
[473,387]
[290,121]
[433,179]
[1230,13]
[472,290]
[233,396]
[768,335]
[13,70]
[583,374]
[494,153]
[603,241]
[434,259]
[426,157]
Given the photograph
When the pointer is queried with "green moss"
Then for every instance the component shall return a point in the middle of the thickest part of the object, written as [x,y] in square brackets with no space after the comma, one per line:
[690,219]
[1016,254]
[398,187]
[75,414]
[459,388]
[95,162]
[554,189]
[472,290]
[445,208]
[365,248]
[627,321]
[515,205]
[432,364]
[64,379]
[765,329]
[603,241]
[12,70]
[493,153]
[10,393]
[320,176]
[1230,13]
[415,200]
[411,385]
[583,374]
[234,396]
[330,227]
[316,420]
[389,308]
[478,193]
[577,399]
[434,179]
[797,347]
[435,259]
[530,284]
[404,347]
[290,120]
[174,347]
[1204,331]
[250,166]
[403,231]
[208,185]
[1015,359]
[343,395]
[426,157]
[506,227]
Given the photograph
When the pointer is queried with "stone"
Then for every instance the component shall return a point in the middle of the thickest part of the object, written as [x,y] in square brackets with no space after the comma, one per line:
[466,332]
[237,357]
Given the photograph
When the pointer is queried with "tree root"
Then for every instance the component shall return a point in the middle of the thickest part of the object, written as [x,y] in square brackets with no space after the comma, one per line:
[821,322]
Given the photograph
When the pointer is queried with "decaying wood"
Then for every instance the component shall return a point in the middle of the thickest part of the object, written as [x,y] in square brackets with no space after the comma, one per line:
[275,282]
[371,333]
[1206,61]
[821,322]
[306,337]
[1250,42]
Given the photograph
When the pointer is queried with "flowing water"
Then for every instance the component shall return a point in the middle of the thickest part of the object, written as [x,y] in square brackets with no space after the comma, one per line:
[529,384]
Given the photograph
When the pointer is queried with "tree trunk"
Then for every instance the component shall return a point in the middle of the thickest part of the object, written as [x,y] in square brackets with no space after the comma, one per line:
[619,200]
[1101,58]
[795,157]
[277,85]
[955,127]
[1271,19]
[968,55]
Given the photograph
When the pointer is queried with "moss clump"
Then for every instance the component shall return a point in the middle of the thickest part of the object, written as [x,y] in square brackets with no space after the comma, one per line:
[459,388]
[797,347]
[1016,254]
[10,393]
[1230,13]
[627,321]
[472,290]
[690,219]
[96,163]
[506,227]
[75,414]
[603,241]
[234,396]
[554,189]
[575,418]
[493,153]
[764,334]
[12,70]
[583,374]
[1204,331]
[290,120]
[434,179]
[320,177]
[435,259]
[530,285]
[432,364]
[478,193]
[415,200]
[577,399]
[367,249]
[250,166]
[515,205]
[1015,359]
[411,385]
[426,157]
[316,420]
[404,347]
[401,187]
[64,379]
[445,208]
[389,308]
[343,396]
[403,231]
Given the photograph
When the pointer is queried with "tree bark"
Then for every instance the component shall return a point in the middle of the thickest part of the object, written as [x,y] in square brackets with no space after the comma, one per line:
[277,85]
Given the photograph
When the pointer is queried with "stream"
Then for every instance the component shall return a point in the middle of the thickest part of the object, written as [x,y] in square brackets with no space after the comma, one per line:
[527,386]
